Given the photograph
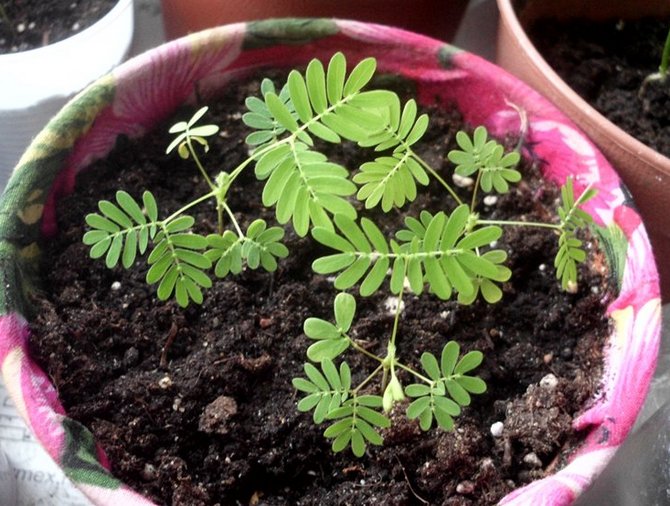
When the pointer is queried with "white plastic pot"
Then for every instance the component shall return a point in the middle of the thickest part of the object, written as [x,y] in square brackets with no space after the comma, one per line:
[35,84]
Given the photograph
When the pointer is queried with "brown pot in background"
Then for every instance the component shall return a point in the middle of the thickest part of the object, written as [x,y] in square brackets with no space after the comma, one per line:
[437,18]
[645,172]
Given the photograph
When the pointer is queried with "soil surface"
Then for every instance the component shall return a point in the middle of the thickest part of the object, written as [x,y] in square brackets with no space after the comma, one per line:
[606,63]
[29,24]
[218,424]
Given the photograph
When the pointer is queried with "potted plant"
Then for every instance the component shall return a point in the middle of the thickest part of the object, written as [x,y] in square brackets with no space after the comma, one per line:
[643,169]
[39,80]
[139,95]
[430,17]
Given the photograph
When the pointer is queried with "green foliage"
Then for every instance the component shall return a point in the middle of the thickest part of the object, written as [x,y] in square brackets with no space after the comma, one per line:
[189,133]
[326,389]
[449,388]
[570,251]
[392,179]
[121,230]
[357,423]
[304,186]
[260,247]
[355,420]
[486,158]
[439,251]
[178,264]
[331,340]
[259,117]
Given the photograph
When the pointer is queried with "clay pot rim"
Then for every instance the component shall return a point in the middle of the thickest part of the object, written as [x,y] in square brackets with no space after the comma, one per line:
[625,140]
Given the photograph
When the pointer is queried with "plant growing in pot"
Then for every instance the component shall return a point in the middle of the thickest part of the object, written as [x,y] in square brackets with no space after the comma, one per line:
[249,356]
[49,52]
[579,73]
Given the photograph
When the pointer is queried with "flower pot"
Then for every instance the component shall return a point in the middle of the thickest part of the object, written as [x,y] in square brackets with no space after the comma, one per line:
[436,18]
[38,82]
[644,171]
[148,89]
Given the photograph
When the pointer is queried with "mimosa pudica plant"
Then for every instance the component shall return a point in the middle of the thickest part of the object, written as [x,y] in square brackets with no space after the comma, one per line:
[446,254]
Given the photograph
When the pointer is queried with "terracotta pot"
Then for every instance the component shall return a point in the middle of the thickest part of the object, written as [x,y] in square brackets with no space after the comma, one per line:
[148,89]
[35,84]
[644,171]
[437,18]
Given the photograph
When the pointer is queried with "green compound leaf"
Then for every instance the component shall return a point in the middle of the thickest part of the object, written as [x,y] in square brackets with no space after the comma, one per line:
[260,247]
[121,230]
[439,251]
[570,250]
[357,424]
[267,128]
[357,261]
[449,388]
[391,180]
[331,340]
[177,263]
[304,186]
[487,158]
[189,133]
[326,389]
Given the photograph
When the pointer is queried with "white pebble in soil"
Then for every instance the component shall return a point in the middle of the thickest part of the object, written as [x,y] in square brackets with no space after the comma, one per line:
[497,429]
[532,460]
[391,305]
[490,200]
[465,487]
[462,181]
[116,286]
[165,382]
[549,381]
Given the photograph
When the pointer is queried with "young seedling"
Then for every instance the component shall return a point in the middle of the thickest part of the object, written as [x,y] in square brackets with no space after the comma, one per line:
[662,73]
[444,253]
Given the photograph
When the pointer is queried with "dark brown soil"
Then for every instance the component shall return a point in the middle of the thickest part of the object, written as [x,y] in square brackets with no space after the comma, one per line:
[219,424]
[606,63]
[29,24]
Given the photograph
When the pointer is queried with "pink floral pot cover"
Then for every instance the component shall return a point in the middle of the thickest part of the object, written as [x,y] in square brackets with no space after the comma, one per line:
[147,89]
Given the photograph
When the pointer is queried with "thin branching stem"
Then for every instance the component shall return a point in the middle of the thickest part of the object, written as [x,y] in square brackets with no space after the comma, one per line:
[665,58]
[473,202]
[191,204]
[414,373]
[198,163]
[362,350]
[520,224]
[367,380]
[439,178]
[230,214]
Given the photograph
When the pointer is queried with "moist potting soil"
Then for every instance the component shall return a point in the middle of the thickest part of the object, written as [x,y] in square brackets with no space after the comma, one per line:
[606,64]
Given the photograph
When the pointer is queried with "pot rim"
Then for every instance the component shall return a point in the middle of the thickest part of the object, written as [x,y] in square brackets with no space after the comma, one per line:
[626,141]
[70,43]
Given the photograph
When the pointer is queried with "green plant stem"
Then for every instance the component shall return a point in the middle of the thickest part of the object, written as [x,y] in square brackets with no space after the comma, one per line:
[414,373]
[233,220]
[474,191]
[190,205]
[367,380]
[520,224]
[665,58]
[362,350]
[198,163]
[436,176]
